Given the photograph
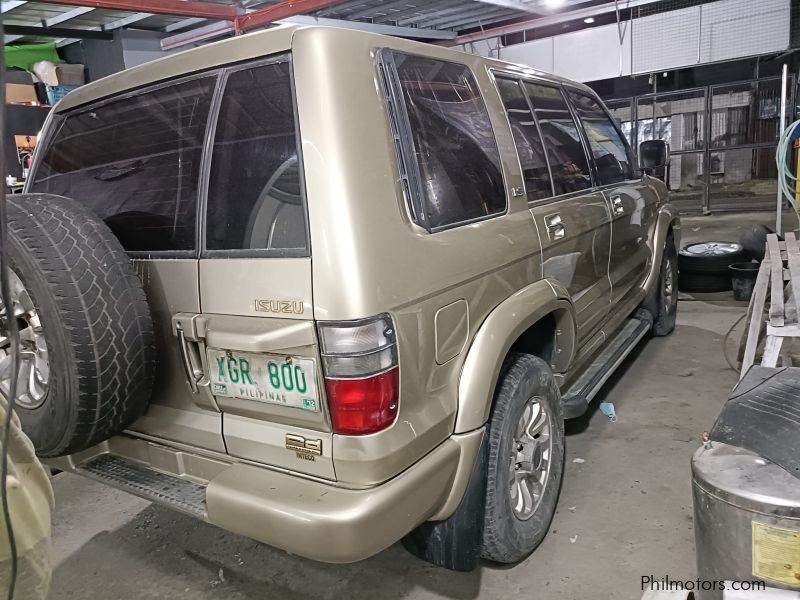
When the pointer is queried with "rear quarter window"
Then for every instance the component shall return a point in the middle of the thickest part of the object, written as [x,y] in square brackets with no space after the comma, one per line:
[135,162]
[255,199]
[447,142]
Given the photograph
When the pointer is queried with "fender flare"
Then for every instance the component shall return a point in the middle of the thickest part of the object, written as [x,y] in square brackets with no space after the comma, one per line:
[668,220]
[507,321]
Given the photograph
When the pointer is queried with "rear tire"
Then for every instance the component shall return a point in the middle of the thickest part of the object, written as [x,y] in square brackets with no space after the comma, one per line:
[92,315]
[516,523]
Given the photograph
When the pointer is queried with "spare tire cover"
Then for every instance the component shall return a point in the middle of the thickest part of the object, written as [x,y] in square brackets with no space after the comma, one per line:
[87,345]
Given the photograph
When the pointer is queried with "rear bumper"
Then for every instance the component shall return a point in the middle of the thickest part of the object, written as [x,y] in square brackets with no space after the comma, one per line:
[311,518]
[327,523]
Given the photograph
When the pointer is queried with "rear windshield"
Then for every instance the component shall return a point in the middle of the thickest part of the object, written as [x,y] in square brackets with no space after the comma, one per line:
[138,163]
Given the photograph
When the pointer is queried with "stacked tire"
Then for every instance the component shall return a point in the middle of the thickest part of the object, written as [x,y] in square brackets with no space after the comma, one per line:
[703,266]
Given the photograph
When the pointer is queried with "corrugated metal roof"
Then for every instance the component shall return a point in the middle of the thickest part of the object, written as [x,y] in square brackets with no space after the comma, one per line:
[450,15]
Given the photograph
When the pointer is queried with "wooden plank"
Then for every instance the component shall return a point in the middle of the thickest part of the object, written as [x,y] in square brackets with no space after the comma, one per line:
[789,330]
[772,351]
[756,315]
[793,258]
[776,314]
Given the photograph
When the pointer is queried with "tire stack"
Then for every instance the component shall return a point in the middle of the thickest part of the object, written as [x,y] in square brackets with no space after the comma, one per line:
[708,267]
[703,266]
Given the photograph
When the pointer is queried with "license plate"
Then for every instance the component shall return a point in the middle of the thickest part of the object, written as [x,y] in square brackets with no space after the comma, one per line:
[270,378]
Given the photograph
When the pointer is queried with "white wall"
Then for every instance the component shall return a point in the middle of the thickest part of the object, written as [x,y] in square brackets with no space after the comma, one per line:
[139,47]
[666,40]
[537,54]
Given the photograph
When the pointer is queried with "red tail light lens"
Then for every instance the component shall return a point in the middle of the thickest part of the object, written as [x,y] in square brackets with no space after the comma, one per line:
[362,378]
[361,406]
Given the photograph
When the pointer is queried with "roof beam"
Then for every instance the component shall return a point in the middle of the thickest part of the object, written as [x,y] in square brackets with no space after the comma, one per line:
[463,16]
[196,36]
[555,19]
[125,21]
[11,5]
[408,18]
[389,9]
[513,4]
[281,10]
[190,22]
[186,8]
[411,13]
[408,32]
[55,32]
[68,15]
[220,29]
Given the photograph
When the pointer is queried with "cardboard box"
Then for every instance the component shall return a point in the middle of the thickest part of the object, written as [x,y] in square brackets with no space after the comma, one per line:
[69,74]
[25,141]
[21,93]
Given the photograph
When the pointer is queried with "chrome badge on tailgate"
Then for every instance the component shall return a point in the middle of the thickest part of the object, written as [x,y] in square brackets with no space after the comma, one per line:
[271,378]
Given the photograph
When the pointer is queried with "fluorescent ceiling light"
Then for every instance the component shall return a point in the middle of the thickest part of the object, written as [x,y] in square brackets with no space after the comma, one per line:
[589,20]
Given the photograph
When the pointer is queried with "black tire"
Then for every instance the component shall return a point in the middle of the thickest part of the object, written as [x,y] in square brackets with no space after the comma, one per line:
[704,268]
[666,305]
[696,258]
[507,538]
[95,318]
[754,241]
[704,283]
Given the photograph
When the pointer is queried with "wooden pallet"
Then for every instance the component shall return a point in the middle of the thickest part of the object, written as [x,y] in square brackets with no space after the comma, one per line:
[779,282]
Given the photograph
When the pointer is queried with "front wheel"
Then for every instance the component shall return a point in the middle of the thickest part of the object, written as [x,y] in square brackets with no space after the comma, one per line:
[526,459]
[666,311]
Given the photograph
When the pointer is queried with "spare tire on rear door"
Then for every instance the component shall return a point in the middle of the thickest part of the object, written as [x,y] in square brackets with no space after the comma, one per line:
[86,337]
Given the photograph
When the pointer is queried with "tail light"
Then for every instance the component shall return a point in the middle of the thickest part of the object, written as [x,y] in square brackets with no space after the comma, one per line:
[362,377]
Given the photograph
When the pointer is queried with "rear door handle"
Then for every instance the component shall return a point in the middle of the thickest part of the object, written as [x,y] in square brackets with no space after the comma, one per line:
[555,227]
[185,328]
[619,207]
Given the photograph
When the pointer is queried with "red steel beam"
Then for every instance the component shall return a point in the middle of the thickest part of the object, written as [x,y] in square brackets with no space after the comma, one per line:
[184,8]
[281,10]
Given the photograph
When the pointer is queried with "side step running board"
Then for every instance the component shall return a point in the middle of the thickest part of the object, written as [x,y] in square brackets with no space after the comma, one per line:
[186,496]
[576,399]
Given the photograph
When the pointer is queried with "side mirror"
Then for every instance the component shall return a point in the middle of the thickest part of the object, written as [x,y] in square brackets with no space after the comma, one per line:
[654,158]
[609,168]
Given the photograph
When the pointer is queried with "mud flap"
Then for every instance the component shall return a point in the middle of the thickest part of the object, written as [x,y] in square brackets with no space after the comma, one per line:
[455,543]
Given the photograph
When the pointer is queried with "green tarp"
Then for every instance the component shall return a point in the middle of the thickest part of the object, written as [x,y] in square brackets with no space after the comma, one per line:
[23,56]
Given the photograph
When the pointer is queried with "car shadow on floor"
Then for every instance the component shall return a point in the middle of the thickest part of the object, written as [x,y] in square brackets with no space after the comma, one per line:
[164,554]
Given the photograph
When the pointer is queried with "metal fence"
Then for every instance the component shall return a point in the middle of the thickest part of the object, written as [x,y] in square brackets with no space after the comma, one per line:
[722,141]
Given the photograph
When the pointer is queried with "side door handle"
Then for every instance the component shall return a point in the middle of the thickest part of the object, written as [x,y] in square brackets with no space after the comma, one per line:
[619,207]
[555,227]
[184,327]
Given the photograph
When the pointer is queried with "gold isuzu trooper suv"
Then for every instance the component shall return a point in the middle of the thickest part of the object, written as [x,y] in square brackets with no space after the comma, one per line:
[331,290]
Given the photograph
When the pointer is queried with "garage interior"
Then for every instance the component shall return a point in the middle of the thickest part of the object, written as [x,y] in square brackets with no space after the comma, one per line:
[717,80]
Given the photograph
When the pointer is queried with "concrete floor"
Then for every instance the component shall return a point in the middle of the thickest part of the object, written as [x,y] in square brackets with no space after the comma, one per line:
[625,511]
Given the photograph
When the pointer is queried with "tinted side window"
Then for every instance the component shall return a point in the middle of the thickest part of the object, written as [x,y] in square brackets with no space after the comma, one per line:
[135,162]
[611,153]
[527,139]
[562,141]
[453,141]
[254,194]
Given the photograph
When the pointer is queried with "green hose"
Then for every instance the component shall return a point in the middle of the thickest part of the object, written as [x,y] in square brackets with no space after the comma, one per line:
[787,180]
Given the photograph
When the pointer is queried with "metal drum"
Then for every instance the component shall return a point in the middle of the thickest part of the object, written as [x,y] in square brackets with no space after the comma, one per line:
[746,520]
